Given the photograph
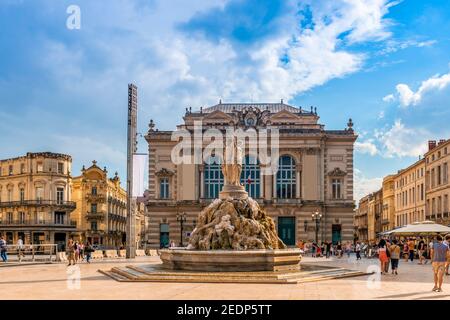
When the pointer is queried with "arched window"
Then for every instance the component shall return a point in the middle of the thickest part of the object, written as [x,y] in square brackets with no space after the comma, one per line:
[213,177]
[286,184]
[250,176]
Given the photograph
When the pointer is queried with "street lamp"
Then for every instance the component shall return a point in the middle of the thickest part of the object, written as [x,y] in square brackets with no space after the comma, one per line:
[181,218]
[317,216]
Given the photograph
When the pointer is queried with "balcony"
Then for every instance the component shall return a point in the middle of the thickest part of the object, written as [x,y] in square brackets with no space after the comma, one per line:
[37,223]
[95,216]
[117,217]
[96,198]
[68,205]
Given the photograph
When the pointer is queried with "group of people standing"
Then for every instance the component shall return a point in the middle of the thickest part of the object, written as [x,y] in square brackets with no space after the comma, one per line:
[438,251]
[326,249]
[78,252]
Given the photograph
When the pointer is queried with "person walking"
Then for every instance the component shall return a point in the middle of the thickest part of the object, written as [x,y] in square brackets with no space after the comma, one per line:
[81,251]
[439,255]
[19,246]
[447,264]
[388,254]
[405,251]
[421,249]
[382,255]
[3,249]
[88,249]
[394,250]
[411,246]
[358,251]
[339,250]
[70,251]
[328,246]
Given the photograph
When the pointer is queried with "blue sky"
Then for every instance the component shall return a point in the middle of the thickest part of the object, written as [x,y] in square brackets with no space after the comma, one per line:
[383,63]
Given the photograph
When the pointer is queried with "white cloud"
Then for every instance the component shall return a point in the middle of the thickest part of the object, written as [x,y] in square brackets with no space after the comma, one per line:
[365,185]
[366,147]
[407,97]
[395,45]
[389,98]
[402,141]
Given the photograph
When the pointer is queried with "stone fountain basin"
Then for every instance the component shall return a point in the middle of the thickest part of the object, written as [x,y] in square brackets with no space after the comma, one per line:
[231,260]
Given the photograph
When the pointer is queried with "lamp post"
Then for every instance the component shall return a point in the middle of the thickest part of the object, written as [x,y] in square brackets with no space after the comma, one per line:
[317,216]
[181,218]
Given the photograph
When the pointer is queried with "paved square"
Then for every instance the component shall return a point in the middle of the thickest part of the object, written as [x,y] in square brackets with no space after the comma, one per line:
[57,281]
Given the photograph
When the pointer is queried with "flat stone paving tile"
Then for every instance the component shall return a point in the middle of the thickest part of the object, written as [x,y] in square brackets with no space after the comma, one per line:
[51,282]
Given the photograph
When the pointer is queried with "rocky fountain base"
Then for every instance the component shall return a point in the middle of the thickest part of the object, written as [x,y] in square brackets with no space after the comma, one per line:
[233,234]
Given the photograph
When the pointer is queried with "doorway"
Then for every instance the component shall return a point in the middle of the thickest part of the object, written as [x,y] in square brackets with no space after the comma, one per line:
[60,241]
[336,234]
[286,230]
[164,235]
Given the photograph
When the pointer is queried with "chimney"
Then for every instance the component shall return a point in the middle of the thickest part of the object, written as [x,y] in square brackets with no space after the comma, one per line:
[442,141]
[431,144]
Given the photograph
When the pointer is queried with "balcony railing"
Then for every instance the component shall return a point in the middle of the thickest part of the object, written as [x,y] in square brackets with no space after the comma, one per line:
[96,198]
[118,217]
[39,203]
[43,223]
[95,215]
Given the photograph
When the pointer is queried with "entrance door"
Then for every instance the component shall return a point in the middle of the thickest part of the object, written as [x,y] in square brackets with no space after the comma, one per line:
[60,240]
[336,233]
[286,230]
[164,236]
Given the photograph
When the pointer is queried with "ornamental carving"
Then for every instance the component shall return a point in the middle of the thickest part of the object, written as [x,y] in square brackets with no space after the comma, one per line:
[251,117]
[337,172]
[164,173]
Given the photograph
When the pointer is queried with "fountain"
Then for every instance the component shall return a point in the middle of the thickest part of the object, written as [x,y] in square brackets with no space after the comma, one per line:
[233,233]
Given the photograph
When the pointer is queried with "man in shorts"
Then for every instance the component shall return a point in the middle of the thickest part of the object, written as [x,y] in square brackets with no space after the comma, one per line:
[439,254]
[447,242]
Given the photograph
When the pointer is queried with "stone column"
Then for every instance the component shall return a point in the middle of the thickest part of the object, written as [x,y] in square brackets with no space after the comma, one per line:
[298,170]
[274,186]
[201,168]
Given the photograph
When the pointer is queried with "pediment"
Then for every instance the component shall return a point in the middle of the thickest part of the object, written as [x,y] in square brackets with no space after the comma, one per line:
[337,172]
[218,116]
[284,116]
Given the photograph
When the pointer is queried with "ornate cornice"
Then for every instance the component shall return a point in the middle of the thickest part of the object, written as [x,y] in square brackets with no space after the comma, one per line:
[337,172]
[164,173]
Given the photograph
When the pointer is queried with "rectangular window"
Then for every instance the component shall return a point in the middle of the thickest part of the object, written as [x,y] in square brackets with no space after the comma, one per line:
[10,170]
[60,217]
[22,168]
[21,217]
[22,194]
[433,180]
[446,205]
[337,188]
[39,194]
[40,167]
[60,167]
[445,173]
[94,225]
[60,195]
[10,195]
[94,191]
[164,188]
[439,206]
[9,217]
[439,176]
[93,208]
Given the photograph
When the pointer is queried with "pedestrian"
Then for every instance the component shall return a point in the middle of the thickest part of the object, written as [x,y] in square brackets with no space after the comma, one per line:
[405,251]
[339,250]
[313,250]
[382,255]
[3,249]
[348,249]
[328,246]
[20,249]
[421,249]
[394,251]
[388,254]
[88,249]
[439,257]
[358,251]
[81,251]
[76,248]
[447,264]
[70,252]
[411,246]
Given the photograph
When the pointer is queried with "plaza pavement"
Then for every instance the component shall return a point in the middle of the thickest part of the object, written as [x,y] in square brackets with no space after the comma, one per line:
[414,282]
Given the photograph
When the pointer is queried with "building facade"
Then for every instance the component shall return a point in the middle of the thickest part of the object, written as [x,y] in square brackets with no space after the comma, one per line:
[410,194]
[35,199]
[361,219]
[388,215]
[101,207]
[437,160]
[374,214]
[315,173]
